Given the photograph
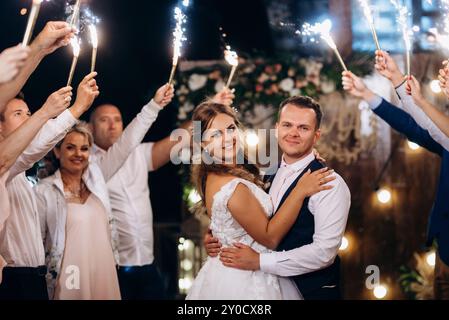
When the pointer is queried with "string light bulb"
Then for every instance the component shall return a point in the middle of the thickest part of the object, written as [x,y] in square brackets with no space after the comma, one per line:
[413,146]
[344,244]
[384,196]
[380,291]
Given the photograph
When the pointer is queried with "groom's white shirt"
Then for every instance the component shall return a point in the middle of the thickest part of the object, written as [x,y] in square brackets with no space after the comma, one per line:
[330,209]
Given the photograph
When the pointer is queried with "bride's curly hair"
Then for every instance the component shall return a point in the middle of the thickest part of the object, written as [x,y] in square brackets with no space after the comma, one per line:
[205,113]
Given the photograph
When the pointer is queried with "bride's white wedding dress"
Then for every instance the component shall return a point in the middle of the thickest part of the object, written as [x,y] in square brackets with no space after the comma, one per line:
[217,282]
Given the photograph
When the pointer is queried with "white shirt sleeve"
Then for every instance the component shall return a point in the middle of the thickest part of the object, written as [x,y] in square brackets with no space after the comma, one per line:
[330,209]
[409,106]
[4,202]
[375,102]
[50,134]
[42,207]
[132,136]
[147,152]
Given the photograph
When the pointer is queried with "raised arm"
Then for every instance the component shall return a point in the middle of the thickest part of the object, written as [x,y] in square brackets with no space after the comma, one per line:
[55,35]
[15,144]
[134,133]
[11,61]
[270,232]
[55,129]
[395,117]
[409,91]
[438,122]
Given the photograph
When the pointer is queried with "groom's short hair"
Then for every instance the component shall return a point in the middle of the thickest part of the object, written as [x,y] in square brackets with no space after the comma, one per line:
[303,102]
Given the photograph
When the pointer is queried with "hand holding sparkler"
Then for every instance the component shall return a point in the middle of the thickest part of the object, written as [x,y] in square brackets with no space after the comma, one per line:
[164,95]
[11,60]
[388,68]
[225,96]
[86,94]
[413,89]
[356,87]
[55,35]
[57,102]
[443,77]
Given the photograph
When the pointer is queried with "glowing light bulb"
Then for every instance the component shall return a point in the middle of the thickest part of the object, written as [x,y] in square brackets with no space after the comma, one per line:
[413,146]
[435,86]
[384,196]
[194,197]
[380,291]
[344,244]
[431,259]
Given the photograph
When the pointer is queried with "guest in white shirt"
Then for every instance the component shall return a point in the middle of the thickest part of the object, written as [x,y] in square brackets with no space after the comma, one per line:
[20,239]
[129,194]
[16,65]
[21,63]
[308,253]
[82,181]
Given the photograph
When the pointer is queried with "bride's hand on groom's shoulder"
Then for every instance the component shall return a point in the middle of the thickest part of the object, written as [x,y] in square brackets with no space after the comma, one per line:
[212,245]
[314,182]
[318,156]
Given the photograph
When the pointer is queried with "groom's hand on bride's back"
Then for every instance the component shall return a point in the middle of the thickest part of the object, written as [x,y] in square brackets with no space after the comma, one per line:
[212,245]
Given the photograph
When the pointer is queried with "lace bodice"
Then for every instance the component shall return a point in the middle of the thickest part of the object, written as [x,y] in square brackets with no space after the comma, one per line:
[215,281]
[224,227]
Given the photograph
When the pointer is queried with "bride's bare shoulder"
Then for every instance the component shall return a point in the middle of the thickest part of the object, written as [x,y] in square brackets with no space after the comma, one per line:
[215,181]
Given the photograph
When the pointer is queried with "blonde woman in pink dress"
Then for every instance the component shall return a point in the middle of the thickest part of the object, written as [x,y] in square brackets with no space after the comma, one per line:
[75,213]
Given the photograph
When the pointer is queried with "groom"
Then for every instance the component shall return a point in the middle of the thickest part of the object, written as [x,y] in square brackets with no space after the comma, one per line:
[308,253]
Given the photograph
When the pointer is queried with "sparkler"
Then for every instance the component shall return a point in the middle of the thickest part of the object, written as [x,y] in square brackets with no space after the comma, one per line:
[443,40]
[76,52]
[369,16]
[323,29]
[76,12]
[94,40]
[402,19]
[233,59]
[178,38]
[31,22]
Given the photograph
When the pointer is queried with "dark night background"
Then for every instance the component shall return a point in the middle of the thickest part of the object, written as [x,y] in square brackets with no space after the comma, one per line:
[134,59]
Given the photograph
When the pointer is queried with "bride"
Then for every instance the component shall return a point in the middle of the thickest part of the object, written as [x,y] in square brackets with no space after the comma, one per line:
[225,182]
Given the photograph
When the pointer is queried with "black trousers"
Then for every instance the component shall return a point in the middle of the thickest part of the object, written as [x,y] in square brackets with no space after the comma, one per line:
[141,283]
[21,283]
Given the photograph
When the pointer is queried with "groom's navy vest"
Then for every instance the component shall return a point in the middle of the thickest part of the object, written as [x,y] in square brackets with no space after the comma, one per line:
[301,234]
